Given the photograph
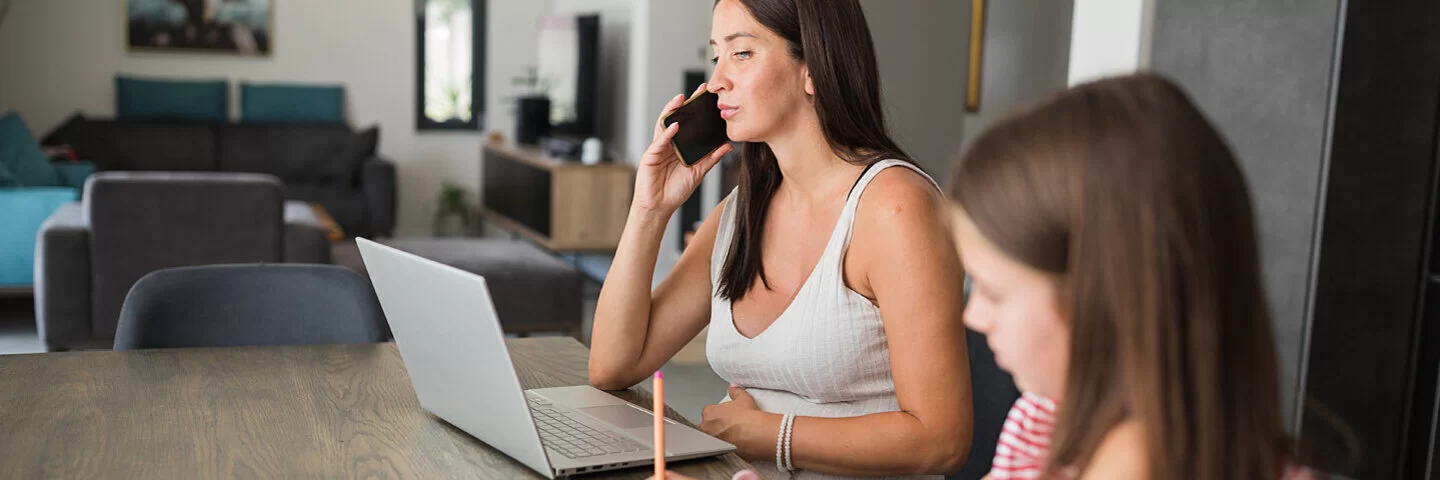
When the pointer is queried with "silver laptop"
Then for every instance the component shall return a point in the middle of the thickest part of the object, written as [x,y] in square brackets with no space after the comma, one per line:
[451,342]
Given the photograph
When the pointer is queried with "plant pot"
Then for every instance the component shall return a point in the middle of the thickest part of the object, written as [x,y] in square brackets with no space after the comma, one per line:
[451,224]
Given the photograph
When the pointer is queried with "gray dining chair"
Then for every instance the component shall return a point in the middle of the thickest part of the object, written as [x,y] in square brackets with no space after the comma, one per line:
[250,305]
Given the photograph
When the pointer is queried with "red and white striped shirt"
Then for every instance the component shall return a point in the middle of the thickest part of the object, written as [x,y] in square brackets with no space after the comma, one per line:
[1024,439]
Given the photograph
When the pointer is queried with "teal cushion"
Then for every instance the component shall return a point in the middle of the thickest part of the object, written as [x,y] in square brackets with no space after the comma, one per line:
[73,174]
[21,155]
[146,99]
[292,104]
[7,179]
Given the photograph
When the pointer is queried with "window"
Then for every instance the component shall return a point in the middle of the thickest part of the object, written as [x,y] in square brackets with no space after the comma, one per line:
[450,64]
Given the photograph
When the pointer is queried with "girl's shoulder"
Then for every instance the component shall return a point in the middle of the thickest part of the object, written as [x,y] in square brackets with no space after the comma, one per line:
[1121,454]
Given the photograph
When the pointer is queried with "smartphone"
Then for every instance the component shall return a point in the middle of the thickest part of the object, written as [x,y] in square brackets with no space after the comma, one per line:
[701,128]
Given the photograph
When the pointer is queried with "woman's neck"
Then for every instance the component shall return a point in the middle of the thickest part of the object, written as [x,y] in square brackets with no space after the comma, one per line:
[810,168]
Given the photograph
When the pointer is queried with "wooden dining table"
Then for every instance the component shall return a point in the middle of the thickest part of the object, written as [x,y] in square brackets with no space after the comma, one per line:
[329,411]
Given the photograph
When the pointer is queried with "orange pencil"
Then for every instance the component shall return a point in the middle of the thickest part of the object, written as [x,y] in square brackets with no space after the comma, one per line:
[659,411]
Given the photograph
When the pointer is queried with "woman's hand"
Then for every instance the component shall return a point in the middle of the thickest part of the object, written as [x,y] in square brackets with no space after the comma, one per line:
[662,180]
[741,423]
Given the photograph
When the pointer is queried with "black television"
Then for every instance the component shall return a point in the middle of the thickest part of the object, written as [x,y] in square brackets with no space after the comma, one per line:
[569,67]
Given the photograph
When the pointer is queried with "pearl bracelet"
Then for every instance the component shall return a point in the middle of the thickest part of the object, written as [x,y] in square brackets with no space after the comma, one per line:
[789,428]
[780,443]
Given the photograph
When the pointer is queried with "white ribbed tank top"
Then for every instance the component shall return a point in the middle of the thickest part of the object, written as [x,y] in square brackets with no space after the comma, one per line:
[825,355]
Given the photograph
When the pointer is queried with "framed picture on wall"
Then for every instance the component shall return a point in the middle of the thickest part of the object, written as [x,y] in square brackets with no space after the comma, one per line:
[234,27]
[977,55]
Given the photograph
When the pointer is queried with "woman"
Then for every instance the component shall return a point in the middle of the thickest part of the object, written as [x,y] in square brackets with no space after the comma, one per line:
[827,278]
[1111,244]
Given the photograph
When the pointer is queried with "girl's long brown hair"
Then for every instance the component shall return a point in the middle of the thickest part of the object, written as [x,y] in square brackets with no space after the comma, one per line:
[1123,189]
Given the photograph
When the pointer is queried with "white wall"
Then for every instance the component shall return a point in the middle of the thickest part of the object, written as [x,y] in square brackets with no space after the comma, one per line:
[646,46]
[922,49]
[679,37]
[1109,37]
[59,56]
[616,17]
[1025,58]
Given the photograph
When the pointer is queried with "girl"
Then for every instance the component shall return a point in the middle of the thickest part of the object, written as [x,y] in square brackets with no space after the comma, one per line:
[1111,244]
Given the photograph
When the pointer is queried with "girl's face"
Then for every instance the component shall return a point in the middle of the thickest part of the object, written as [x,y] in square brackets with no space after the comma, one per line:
[762,88]
[1017,308]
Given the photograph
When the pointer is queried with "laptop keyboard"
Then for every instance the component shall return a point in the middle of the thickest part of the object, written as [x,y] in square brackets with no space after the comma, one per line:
[563,434]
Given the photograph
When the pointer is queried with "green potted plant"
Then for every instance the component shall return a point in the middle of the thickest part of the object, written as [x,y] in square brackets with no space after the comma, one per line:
[453,217]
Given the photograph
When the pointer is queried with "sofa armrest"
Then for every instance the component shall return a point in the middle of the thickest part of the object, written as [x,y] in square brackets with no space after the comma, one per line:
[377,180]
[306,237]
[73,174]
[62,279]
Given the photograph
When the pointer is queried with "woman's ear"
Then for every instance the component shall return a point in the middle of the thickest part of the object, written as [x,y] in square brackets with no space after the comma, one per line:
[809,84]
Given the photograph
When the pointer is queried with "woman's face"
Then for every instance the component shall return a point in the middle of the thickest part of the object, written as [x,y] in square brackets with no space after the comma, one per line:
[762,88]
[1017,308]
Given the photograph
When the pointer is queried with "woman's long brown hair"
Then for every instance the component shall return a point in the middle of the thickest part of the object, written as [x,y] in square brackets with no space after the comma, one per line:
[832,39]
[1123,189]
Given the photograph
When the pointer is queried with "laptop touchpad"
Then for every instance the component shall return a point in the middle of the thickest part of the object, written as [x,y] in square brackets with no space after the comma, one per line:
[622,416]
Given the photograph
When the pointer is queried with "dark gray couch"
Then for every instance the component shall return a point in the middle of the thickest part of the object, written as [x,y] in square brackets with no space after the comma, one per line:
[129,224]
[331,165]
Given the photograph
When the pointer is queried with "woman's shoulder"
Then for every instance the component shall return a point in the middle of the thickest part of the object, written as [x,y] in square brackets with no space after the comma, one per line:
[898,192]
[899,207]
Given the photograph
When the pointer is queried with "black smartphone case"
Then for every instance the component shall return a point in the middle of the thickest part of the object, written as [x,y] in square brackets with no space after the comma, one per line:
[701,128]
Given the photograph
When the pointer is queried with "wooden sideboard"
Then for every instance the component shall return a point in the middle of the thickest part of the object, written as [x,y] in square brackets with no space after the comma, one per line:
[562,205]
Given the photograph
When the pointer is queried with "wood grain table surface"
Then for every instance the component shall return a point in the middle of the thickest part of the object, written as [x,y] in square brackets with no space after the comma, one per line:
[332,411]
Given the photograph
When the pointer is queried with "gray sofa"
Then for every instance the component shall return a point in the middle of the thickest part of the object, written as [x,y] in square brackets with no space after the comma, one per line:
[331,165]
[129,224]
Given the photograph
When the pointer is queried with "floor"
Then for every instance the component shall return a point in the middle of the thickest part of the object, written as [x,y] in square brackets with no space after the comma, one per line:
[17,327]
[690,383]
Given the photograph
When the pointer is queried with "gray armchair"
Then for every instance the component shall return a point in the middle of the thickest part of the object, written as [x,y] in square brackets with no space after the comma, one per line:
[129,224]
